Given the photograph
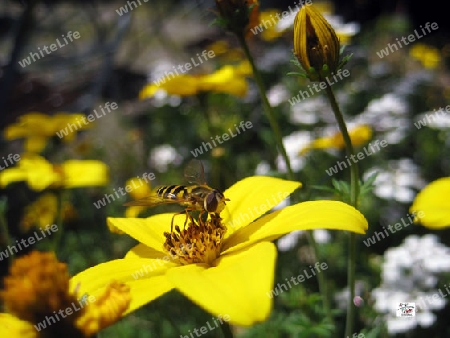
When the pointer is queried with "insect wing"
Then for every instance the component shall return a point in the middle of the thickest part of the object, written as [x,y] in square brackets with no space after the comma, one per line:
[153,199]
[195,172]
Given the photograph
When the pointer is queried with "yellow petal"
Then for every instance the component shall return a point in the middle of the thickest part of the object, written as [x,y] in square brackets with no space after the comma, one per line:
[238,286]
[147,280]
[432,205]
[252,197]
[183,85]
[33,169]
[82,173]
[227,79]
[149,231]
[359,136]
[35,144]
[333,215]
[13,327]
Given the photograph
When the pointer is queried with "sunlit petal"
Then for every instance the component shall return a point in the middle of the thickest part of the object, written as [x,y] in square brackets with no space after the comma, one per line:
[238,286]
[252,197]
[333,215]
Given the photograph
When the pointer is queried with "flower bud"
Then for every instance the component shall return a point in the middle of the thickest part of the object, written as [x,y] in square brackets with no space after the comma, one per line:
[238,16]
[316,45]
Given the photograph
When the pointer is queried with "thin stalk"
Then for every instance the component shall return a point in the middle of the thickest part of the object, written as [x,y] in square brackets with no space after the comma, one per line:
[290,175]
[354,192]
[267,107]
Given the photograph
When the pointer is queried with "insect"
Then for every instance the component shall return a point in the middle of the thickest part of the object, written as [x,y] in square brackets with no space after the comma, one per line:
[197,196]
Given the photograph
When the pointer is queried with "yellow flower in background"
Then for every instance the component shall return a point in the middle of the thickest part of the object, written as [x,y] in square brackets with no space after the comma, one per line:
[141,191]
[228,79]
[39,302]
[37,128]
[266,18]
[434,204]
[430,57]
[359,136]
[225,265]
[41,212]
[315,43]
[44,211]
[41,174]
[222,48]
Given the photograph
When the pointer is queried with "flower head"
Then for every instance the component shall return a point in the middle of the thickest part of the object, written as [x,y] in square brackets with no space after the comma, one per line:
[224,263]
[316,44]
[37,295]
[37,128]
[238,16]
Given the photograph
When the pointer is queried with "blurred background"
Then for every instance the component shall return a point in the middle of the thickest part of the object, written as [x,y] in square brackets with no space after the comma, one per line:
[123,48]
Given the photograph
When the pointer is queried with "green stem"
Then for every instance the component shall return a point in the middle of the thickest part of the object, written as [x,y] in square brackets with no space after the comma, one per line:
[267,107]
[354,192]
[226,330]
[321,280]
[276,131]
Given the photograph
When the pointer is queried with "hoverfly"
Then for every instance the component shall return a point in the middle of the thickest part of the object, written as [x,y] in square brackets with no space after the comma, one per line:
[195,197]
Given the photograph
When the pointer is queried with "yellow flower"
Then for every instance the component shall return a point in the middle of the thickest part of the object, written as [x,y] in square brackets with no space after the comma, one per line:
[228,79]
[359,136]
[40,303]
[432,206]
[141,191]
[37,128]
[41,174]
[316,45]
[266,18]
[427,55]
[228,267]
[43,212]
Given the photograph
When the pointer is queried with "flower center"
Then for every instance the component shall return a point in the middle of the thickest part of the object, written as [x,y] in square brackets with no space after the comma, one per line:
[199,243]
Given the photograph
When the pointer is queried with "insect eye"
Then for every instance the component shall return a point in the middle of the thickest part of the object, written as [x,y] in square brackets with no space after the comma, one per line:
[211,202]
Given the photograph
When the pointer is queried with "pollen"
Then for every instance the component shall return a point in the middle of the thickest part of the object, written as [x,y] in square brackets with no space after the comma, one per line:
[37,290]
[199,243]
[36,286]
